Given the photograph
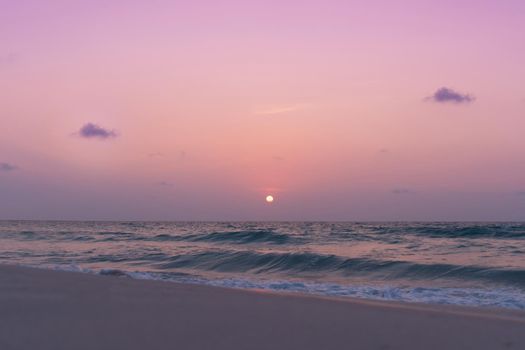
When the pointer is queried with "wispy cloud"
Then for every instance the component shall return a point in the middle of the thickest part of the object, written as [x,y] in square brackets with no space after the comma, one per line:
[7,167]
[91,131]
[447,95]
[272,110]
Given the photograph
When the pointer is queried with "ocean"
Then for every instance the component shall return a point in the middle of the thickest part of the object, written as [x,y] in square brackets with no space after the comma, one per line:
[474,264]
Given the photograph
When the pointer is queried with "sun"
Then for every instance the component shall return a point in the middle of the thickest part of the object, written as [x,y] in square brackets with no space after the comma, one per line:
[269,199]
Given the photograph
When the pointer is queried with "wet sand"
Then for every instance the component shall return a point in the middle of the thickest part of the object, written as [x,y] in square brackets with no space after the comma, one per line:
[43,309]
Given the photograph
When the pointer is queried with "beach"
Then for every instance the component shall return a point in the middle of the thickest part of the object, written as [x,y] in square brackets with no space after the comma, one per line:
[45,309]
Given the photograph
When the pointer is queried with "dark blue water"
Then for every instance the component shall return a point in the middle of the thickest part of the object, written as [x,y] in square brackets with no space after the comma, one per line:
[478,264]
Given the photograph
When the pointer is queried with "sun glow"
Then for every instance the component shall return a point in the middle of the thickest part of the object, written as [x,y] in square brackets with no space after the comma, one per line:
[269,199]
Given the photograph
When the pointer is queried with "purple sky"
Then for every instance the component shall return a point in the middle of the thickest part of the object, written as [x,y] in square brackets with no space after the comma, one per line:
[197,110]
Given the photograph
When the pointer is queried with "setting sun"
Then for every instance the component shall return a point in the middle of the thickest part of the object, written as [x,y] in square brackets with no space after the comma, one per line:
[269,199]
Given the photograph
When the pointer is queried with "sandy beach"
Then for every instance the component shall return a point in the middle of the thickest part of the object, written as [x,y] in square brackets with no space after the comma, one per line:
[44,309]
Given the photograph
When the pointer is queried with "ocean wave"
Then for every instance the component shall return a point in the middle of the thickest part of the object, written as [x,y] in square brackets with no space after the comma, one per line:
[244,237]
[260,263]
[453,230]
[504,297]
[237,237]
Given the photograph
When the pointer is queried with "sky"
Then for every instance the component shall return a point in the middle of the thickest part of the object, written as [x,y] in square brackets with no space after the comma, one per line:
[197,110]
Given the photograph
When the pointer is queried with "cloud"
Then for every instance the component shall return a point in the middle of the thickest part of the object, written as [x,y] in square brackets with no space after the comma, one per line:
[7,167]
[91,130]
[402,191]
[279,109]
[446,95]
[277,158]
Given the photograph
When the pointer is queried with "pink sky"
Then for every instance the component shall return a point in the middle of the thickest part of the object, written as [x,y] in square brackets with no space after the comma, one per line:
[215,104]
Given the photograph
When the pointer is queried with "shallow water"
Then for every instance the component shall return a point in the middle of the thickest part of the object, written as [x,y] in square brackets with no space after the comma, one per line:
[478,264]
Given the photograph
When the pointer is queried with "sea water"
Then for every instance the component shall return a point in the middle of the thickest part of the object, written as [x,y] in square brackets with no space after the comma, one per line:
[476,264]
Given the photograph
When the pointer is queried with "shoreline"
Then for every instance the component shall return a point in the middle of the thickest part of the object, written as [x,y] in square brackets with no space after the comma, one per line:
[451,307]
[50,309]
[266,286]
